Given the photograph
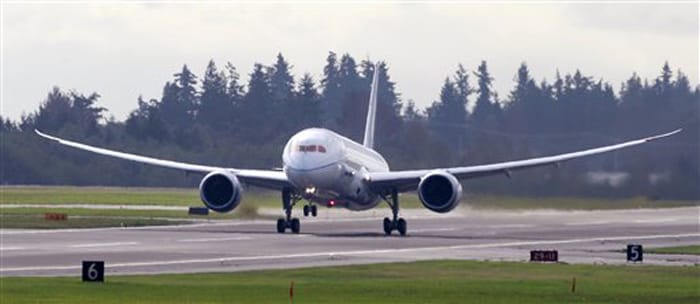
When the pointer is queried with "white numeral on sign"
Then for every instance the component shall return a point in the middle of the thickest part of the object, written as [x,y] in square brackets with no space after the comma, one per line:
[92,272]
[634,253]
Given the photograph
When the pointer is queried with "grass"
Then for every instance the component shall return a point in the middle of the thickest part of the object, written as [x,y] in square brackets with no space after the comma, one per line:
[692,250]
[416,282]
[269,199]
[38,222]
[93,218]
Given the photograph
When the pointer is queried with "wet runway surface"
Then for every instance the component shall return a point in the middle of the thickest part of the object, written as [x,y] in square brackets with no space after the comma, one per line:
[340,237]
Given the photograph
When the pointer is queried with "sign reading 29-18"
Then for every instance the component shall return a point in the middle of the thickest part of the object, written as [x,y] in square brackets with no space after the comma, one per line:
[93,271]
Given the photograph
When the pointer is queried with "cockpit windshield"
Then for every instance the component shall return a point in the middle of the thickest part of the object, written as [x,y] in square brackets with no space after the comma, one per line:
[311,148]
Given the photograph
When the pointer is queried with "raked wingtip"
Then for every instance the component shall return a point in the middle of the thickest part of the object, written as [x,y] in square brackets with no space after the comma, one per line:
[674,132]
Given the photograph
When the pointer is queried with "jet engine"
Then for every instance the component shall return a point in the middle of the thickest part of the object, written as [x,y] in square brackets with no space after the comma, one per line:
[439,191]
[220,191]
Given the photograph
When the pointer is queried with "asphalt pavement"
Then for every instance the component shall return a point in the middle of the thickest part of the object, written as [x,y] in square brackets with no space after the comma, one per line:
[341,237]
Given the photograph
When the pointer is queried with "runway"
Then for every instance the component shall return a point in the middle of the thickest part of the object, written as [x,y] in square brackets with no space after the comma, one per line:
[339,237]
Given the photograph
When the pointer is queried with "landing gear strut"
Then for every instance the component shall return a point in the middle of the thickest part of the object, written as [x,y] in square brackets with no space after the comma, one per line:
[289,199]
[396,223]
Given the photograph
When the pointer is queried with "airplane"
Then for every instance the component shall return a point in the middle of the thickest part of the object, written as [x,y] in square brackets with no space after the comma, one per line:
[325,168]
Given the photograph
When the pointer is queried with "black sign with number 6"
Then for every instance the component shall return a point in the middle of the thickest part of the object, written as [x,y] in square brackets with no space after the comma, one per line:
[634,253]
[93,271]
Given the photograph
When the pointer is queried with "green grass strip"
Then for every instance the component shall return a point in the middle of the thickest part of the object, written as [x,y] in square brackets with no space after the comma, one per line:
[417,282]
[692,250]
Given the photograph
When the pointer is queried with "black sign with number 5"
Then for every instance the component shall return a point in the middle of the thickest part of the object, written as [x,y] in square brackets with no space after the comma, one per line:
[634,253]
[93,271]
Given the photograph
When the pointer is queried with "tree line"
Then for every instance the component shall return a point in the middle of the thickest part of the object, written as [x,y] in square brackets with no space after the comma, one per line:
[217,119]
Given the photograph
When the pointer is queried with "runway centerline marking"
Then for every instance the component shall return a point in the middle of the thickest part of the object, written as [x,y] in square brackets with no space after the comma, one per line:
[357,252]
[104,244]
[239,238]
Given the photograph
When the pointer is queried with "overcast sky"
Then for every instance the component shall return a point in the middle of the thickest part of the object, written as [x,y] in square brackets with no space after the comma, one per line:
[123,50]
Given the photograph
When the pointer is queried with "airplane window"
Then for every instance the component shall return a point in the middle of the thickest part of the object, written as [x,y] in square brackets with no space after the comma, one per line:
[311,148]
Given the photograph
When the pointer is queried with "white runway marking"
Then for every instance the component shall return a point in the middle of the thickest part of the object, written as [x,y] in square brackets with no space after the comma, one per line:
[104,244]
[11,248]
[240,238]
[656,221]
[358,252]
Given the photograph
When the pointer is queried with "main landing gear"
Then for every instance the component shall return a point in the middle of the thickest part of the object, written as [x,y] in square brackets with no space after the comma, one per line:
[289,199]
[396,223]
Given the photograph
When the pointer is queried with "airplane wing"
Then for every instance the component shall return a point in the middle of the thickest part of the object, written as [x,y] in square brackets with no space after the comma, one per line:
[409,179]
[260,178]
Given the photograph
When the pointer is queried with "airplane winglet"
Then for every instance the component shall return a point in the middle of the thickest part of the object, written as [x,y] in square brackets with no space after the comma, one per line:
[674,132]
[45,135]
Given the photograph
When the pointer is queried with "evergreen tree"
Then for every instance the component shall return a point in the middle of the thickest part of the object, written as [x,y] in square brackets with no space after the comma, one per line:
[331,103]
[234,90]
[461,80]
[353,98]
[54,112]
[60,110]
[179,99]
[663,85]
[146,122]
[215,107]
[486,110]
[307,108]
[410,113]
[256,108]
[281,81]
[447,117]
[84,112]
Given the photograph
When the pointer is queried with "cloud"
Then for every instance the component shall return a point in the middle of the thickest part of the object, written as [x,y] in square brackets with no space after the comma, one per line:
[125,50]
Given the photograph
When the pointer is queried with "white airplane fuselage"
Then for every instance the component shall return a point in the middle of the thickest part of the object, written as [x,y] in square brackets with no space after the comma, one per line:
[331,170]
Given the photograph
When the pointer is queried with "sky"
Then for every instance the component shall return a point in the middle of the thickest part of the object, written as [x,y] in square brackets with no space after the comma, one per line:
[122,50]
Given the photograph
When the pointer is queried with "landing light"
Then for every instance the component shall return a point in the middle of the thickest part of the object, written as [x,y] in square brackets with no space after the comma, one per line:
[310,190]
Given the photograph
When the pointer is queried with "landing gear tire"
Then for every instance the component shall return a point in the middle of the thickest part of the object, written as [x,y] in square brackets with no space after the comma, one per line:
[388,226]
[401,226]
[289,199]
[295,225]
[281,225]
[306,210]
[314,210]
[395,222]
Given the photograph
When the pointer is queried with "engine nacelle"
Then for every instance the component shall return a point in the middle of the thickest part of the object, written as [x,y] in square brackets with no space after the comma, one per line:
[220,191]
[439,191]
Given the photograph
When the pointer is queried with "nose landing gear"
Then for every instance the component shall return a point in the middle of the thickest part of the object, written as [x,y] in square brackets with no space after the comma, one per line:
[395,223]
[310,209]
[289,199]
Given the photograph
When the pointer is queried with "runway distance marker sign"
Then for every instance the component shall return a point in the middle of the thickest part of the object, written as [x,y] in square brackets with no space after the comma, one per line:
[635,253]
[544,256]
[93,271]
